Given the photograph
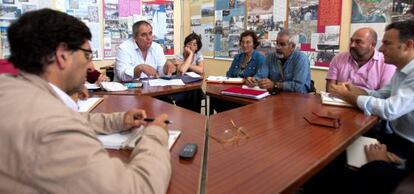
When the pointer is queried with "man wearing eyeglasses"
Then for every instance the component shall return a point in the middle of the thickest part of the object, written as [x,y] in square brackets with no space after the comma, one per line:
[287,69]
[45,146]
[140,57]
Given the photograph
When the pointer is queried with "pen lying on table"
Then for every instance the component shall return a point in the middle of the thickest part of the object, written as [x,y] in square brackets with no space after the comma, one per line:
[152,119]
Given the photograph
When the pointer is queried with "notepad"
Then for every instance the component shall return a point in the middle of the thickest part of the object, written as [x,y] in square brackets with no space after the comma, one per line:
[222,79]
[128,139]
[355,153]
[245,93]
[330,100]
[88,104]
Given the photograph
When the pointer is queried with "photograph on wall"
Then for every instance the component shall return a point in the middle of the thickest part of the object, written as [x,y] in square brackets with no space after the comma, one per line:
[369,11]
[326,40]
[160,14]
[118,20]
[229,24]
[402,10]
[261,20]
[88,12]
[11,10]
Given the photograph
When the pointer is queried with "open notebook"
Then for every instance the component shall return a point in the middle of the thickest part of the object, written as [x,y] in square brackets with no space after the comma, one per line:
[330,100]
[88,104]
[128,139]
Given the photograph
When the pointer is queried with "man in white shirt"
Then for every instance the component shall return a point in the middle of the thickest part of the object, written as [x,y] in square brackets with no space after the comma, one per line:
[140,57]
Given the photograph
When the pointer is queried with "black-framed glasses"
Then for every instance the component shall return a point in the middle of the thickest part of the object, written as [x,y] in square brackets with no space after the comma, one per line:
[88,53]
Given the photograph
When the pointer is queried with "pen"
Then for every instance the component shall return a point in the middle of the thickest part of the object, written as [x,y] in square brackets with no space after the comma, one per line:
[152,119]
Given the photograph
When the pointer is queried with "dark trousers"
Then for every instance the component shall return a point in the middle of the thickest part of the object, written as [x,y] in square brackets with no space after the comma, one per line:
[219,105]
[190,100]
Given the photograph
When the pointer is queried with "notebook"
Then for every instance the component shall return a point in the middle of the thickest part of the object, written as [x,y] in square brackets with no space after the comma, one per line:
[128,139]
[330,100]
[245,93]
[355,153]
[88,104]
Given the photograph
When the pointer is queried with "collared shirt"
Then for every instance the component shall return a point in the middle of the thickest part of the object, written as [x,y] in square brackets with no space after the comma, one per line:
[251,68]
[394,102]
[296,71]
[198,57]
[372,75]
[65,98]
[129,56]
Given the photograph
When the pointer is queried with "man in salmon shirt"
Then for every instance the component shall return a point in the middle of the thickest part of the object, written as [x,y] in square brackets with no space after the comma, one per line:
[362,66]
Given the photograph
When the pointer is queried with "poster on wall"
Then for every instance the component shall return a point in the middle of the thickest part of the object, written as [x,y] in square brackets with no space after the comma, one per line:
[228,25]
[160,13]
[402,10]
[119,16]
[373,14]
[89,12]
[266,21]
[10,10]
[316,26]
[206,28]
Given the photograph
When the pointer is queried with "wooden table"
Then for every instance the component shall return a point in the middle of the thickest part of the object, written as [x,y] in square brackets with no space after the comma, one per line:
[283,150]
[185,174]
[147,90]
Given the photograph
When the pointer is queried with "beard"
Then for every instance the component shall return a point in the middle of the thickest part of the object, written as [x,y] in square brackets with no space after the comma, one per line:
[355,54]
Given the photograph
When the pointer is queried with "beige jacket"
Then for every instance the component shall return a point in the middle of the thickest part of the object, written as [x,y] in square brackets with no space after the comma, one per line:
[45,147]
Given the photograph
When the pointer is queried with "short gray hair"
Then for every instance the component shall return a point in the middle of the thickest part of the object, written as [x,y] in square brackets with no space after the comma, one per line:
[287,33]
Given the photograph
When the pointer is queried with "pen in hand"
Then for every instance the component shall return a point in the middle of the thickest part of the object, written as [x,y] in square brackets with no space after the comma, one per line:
[152,119]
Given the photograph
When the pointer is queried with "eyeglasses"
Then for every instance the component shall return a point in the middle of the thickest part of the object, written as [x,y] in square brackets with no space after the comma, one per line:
[88,53]
[232,135]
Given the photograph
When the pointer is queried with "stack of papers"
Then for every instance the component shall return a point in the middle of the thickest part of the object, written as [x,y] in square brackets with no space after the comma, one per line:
[88,104]
[330,100]
[246,93]
[92,86]
[222,79]
[163,82]
[128,139]
[355,153]
[253,88]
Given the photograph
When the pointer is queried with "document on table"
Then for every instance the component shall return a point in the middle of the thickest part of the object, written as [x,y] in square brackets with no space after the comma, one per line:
[128,139]
[163,82]
[88,104]
[330,100]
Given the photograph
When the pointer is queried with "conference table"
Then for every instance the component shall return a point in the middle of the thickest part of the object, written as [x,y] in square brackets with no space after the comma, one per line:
[186,175]
[278,151]
[282,150]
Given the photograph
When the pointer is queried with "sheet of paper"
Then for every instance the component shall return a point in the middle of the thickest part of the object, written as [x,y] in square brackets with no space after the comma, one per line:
[163,82]
[88,104]
[92,86]
[355,153]
[192,74]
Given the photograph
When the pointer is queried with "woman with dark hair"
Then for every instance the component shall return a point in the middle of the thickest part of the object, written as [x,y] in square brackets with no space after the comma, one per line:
[191,59]
[245,64]
[249,60]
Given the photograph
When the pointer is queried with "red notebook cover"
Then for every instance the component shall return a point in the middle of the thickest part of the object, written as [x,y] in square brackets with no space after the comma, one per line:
[248,93]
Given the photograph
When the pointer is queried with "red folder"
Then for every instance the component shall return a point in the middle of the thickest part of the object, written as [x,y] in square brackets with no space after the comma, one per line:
[246,93]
